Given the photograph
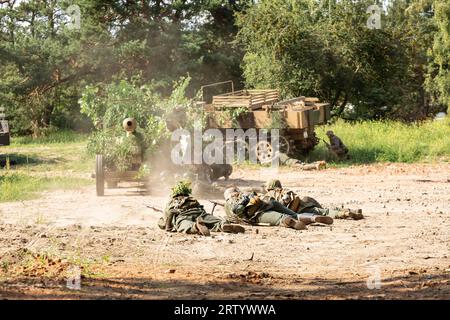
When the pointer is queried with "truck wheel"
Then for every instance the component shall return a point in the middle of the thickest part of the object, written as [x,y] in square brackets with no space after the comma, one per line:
[285,146]
[264,151]
[99,176]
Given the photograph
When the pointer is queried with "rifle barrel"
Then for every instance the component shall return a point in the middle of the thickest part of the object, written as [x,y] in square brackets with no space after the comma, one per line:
[218,203]
[154,208]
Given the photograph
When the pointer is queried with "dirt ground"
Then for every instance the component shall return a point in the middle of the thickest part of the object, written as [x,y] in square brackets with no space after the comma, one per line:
[400,250]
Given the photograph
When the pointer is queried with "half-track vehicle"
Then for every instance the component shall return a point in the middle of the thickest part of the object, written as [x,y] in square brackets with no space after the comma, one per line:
[295,118]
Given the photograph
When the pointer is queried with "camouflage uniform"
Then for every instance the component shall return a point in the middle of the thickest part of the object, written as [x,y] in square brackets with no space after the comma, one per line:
[184,214]
[336,145]
[181,213]
[249,208]
[285,160]
[306,206]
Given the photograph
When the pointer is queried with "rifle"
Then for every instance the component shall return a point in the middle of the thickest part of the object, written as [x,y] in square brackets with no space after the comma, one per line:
[326,143]
[154,208]
[167,220]
[216,203]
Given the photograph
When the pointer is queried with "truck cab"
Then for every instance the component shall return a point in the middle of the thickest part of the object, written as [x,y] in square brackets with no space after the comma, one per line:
[4,129]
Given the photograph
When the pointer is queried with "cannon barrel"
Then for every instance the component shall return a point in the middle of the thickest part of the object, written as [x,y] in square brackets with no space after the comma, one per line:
[129,124]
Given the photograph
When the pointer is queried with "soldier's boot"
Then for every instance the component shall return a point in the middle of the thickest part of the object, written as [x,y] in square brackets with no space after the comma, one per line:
[233,228]
[201,228]
[350,213]
[289,222]
[308,219]
[356,214]
[321,165]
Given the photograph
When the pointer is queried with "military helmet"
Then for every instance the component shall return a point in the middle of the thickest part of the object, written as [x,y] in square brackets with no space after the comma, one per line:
[229,192]
[273,184]
[182,188]
[330,133]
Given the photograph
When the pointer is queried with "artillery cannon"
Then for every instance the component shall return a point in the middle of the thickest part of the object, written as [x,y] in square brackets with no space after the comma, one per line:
[110,175]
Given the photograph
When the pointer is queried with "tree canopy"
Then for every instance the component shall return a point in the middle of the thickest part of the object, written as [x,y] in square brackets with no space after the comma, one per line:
[302,47]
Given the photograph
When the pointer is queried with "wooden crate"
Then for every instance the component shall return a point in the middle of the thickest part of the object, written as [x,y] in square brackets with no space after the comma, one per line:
[325,112]
[260,119]
[251,99]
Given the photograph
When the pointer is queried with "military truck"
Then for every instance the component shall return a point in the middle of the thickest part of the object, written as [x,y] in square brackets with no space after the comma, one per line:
[295,118]
[4,129]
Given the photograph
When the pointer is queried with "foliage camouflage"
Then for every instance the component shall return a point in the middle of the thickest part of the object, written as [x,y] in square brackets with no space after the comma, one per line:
[182,188]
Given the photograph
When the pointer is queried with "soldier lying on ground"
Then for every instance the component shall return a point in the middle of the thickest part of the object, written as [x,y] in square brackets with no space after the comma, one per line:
[285,160]
[306,205]
[250,208]
[183,213]
[336,146]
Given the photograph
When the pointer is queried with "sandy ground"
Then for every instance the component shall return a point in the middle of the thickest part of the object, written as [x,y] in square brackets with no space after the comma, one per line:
[400,250]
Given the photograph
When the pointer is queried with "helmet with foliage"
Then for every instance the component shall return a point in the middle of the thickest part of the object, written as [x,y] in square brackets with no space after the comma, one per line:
[273,184]
[182,188]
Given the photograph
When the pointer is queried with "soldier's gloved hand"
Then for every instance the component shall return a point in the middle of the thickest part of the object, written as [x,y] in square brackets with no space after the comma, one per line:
[254,200]
[286,199]
[245,200]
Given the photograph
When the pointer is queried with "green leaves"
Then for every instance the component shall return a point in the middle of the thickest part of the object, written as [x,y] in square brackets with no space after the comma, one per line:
[441,52]
[331,53]
[109,104]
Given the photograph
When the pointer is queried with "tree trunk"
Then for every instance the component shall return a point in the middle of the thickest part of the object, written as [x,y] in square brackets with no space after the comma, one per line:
[342,106]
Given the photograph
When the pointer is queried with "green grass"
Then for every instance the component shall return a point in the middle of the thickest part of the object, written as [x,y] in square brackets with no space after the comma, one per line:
[388,141]
[61,151]
[62,136]
[17,186]
[56,161]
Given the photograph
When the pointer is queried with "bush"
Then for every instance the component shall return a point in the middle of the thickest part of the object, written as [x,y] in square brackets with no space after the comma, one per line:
[108,105]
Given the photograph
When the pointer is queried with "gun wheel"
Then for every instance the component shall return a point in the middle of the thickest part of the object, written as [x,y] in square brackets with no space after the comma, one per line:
[99,176]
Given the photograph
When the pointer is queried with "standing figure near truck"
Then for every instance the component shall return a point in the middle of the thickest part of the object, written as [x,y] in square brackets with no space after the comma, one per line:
[336,146]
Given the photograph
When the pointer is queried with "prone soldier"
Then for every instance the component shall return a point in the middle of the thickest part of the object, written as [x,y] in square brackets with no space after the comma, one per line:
[291,162]
[250,208]
[307,206]
[184,213]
